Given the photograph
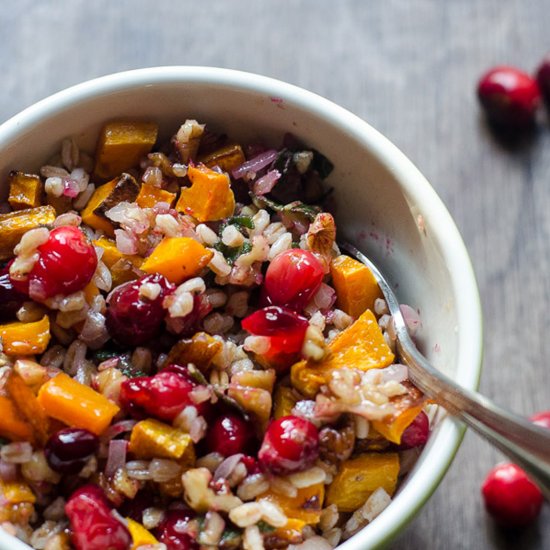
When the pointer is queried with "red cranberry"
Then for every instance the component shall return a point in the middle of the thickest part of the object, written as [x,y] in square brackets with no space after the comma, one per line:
[542,419]
[10,298]
[92,524]
[543,78]
[162,396]
[416,434]
[510,496]
[66,264]
[286,330]
[291,444]
[230,434]
[251,465]
[68,450]
[292,278]
[174,532]
[509,96]
[133,319]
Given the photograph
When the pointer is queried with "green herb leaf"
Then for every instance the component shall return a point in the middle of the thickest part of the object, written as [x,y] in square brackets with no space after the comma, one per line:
[265,527]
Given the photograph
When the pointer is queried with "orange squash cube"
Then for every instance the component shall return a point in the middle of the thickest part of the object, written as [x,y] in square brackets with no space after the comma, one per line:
[149,196]
[26,338]
[26,190]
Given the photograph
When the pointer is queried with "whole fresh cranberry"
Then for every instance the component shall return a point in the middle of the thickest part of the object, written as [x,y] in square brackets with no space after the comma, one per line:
[417,432]
[543,78]
[509,96]
[251,465]
[93,526]
[173,530]
[292,278]
[162,396]
[230,434]
[291,444]
[10,298]
[68,450]
[284,328]
[510,496]
[132,317]
[542,419]
[66,264]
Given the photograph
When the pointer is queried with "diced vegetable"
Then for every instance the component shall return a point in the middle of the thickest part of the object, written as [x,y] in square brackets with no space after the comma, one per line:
[121,188]
[26,338]
[27,404]
[178,259]
[76,405]
[90,292]
[226,158]
[255,401]
[15,224]
[25,190]
[121,146]
[153,439]
[149,196]
[140,535]
[360,346]
[359,477]
[291,532]
[356,287]
[209,198]
[12,426]
[199,350]
[263,379]
[284,401]
[114,259]
[16,492]
[306,506]
[408,407]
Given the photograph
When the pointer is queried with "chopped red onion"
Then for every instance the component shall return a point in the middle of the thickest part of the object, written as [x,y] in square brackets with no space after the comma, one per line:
[116,457]
[71,188]
[223,471]
[117,429]
[412,318]
[266,183]
[125,242]
[94,333]
[8,471]
[325,297]
[255,164]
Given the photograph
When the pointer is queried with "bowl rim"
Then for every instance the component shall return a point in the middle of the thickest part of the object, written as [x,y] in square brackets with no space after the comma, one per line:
[437,459]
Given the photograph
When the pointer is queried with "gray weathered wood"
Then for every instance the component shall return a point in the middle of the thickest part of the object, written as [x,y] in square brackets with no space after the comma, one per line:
[410,69]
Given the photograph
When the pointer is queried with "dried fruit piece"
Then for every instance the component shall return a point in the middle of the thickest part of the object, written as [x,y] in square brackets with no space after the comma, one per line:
[360,346]
[200,349]
[209,198]
[26,190]
[359,477]
[121,145]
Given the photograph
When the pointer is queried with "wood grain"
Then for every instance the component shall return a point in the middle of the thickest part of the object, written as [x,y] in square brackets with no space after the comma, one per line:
[409,68]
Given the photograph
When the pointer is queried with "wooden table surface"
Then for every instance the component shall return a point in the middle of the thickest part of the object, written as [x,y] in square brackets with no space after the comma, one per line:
[410,69]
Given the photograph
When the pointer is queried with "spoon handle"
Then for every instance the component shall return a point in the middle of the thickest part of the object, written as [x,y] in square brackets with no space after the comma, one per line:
[525,443]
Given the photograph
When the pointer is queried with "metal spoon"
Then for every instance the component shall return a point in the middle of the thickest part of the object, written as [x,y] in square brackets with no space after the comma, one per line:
[525,443]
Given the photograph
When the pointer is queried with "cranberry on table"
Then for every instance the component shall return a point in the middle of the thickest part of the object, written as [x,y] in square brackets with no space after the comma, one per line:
[509,96]
[133,319]
[543,78]
[68,450]
[10,298]
[162,396]
[66,264]
[292,278]
[230,434]
[172,531]
[416,434]
[93,526]
[291,444]
[511,498]
[541,419]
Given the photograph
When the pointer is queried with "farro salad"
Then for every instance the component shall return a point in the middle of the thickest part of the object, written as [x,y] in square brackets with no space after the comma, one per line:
[187,359]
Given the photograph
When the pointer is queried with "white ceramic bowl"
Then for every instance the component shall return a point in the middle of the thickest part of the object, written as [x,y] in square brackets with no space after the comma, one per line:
[385,206]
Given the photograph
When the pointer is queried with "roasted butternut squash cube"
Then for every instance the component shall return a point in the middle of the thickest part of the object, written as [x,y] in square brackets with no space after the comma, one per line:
[284,400]
[209,198]
[199,350]
[12,425]
[178,259]
[359,477]
[26,190]
[140,535]
[226,158]
[355,285]
[360,346]
[15,224]
[26,338]
[306,506]
[121,146]
[16,492]
[149,196]
[115,260]
[153,439]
